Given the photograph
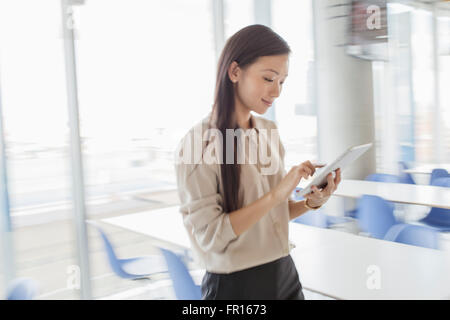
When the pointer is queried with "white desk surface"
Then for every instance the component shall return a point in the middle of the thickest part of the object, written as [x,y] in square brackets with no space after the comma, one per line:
[341,268]
[164,224]
[427,168]
[331,262]
[396,192]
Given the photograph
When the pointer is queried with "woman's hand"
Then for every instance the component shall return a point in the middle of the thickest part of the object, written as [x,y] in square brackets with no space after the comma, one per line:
[318,197]
[284,189]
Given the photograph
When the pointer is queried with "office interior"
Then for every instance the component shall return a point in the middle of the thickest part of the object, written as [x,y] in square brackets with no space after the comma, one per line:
[96,94]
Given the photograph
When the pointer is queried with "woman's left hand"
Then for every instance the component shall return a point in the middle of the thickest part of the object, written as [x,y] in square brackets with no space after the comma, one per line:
[318,197]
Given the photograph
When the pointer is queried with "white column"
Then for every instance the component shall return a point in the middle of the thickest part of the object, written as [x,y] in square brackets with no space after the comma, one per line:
[438,145]
[219,26]
[263,15]
[6,235]
[344,94]
[79,209]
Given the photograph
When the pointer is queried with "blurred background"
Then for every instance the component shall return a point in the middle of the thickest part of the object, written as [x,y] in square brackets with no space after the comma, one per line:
[145,75]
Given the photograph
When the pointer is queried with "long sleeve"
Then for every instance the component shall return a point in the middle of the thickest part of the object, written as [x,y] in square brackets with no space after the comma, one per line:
[201,206]
[214,243]
[282,152]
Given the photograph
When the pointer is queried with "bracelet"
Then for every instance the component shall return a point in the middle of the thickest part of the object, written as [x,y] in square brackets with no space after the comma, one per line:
[311,208]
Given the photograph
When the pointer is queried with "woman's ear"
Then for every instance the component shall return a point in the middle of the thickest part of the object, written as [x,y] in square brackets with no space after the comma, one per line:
[234,72]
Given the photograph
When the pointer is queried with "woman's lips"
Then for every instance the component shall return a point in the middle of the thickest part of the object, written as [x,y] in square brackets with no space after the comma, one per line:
[267,102]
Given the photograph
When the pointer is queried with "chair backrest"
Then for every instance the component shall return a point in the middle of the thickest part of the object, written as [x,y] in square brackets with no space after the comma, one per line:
[405,177]
[413,235]
[383,177]
[109,248]
[183,284]
[375,215]
[438,173]
[22,289]
[442,182]
[440,216]
[313,218]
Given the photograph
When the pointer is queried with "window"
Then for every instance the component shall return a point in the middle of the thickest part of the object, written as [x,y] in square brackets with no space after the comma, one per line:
[138,97]
[146,72]
[295,109]
[34,110]
[405,89]
[237,15]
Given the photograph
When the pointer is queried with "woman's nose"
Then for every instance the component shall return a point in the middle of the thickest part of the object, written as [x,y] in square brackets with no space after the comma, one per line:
[275,90]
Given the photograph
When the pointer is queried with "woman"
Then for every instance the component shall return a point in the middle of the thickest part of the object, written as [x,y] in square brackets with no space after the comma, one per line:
[237,213]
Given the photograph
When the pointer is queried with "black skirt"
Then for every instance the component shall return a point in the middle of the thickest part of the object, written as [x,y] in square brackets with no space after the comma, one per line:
[276,280]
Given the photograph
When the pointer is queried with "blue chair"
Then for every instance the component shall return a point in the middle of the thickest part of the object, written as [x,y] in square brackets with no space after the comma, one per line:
[131,268]
[317,219]
[438,173]
[22,289]
[376,177]
[413,235]
[337,220]
[383,177]
[375,215]
[183,284]
[438,218]
[351,213]
[313,218]
[404,176]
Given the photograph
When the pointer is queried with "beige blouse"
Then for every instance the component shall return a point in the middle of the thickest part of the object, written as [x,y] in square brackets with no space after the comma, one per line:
[215,245]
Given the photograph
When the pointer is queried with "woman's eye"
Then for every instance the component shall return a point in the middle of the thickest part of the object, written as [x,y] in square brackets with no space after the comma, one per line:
[269,80]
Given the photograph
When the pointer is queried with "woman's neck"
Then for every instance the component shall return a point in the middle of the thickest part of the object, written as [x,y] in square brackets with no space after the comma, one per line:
[243,116]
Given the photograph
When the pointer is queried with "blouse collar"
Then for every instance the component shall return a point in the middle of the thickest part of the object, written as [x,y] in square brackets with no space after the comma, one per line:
[256,121]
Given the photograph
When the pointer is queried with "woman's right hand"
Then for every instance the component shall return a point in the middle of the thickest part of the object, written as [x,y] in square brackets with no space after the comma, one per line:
[285,187]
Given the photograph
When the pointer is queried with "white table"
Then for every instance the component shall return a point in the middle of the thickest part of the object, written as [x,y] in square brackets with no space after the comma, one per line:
[428,168]
[347,265]
[164,224]
[396,192]
[331,262]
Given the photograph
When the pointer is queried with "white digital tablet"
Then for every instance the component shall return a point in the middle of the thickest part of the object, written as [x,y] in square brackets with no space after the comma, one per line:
[342,161]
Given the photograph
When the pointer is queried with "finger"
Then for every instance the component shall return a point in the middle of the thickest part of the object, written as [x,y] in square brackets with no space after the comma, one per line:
[302,173]
[310,166]
[306,169]
[316,192]
[333,185]
[337,179]
[317,164]
[330,187]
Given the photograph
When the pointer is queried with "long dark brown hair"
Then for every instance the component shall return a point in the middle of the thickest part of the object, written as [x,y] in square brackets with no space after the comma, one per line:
[244,47]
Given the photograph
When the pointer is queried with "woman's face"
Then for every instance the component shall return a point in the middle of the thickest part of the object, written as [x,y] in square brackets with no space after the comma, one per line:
[259,84]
